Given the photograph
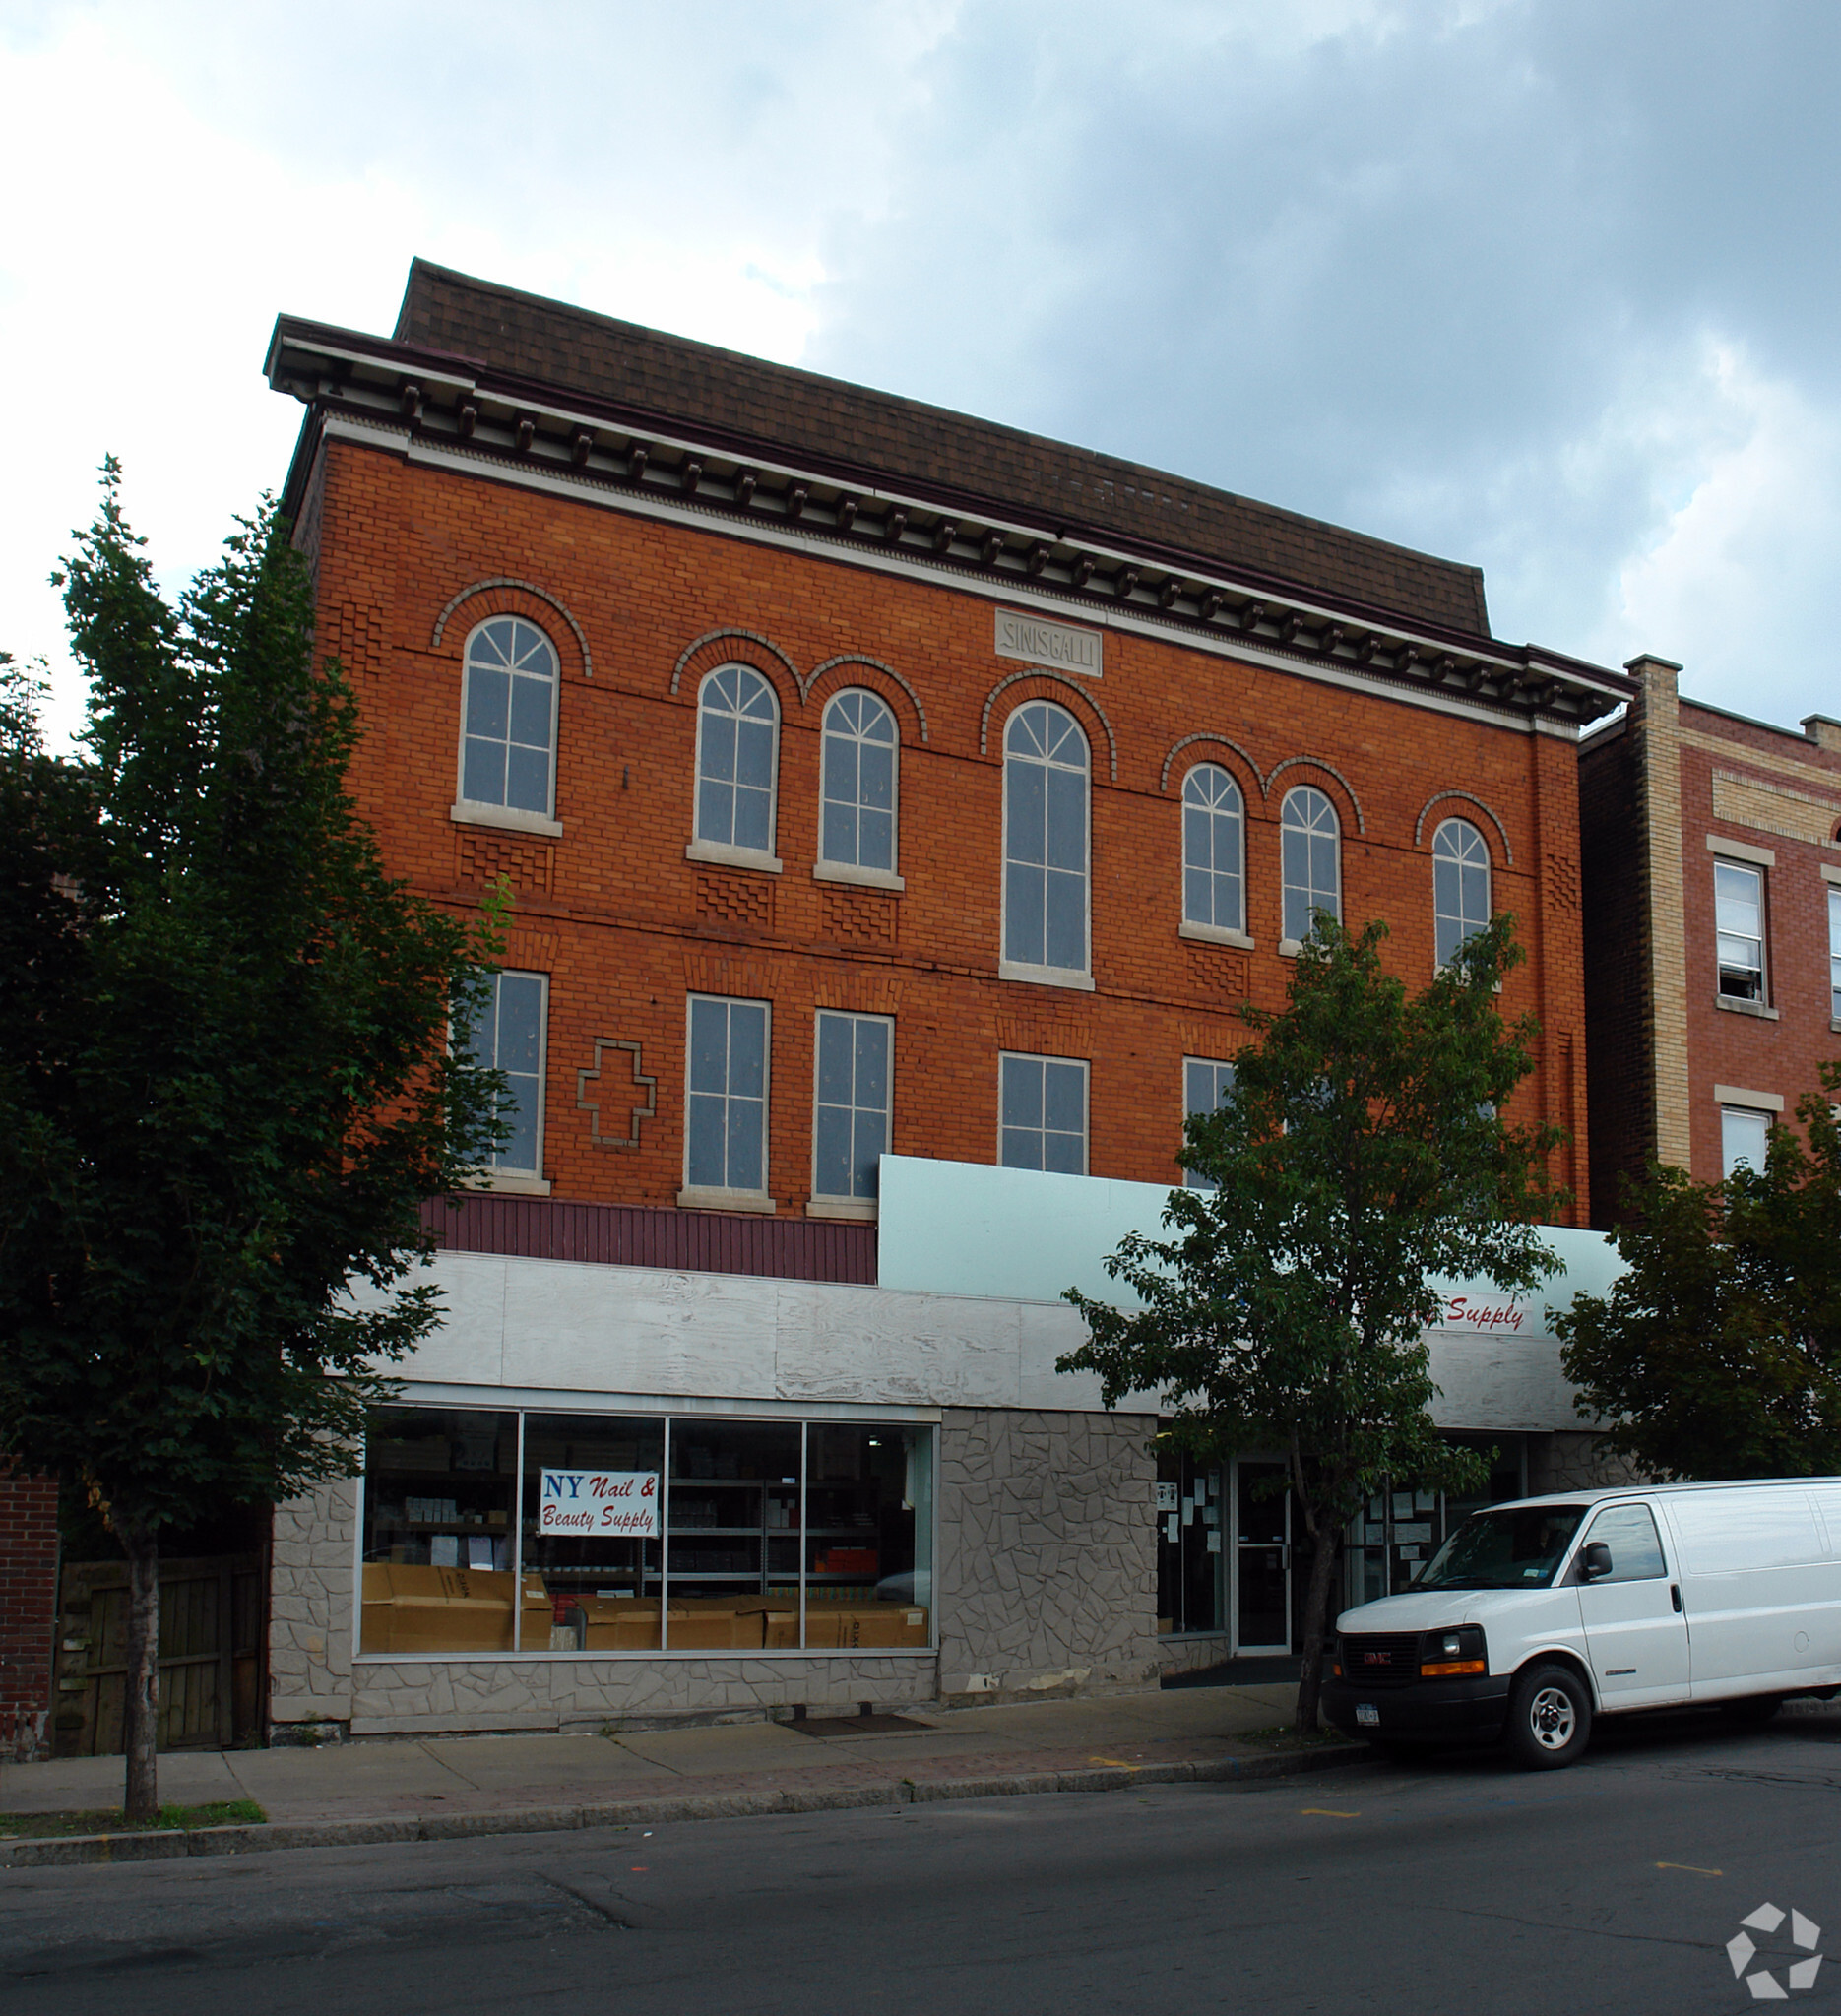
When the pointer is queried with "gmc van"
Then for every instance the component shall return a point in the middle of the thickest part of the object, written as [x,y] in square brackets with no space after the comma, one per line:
[1538,1617]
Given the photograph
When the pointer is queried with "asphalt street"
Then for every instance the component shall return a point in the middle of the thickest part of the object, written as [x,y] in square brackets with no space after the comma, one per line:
[1451,1884]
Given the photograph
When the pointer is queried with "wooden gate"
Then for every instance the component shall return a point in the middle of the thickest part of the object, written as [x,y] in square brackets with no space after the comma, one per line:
[211,1629]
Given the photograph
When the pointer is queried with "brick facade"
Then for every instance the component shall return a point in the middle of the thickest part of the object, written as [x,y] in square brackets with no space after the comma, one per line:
[626,926]
[28,1561]
[1660,793]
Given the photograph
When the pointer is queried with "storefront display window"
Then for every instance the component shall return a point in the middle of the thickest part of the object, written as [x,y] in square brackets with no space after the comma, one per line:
[1189,1556]
[1398,1532]
[644,1533]
[438,1572]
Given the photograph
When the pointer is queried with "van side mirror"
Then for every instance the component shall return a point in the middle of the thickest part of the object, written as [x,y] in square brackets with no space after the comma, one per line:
[1595,1560]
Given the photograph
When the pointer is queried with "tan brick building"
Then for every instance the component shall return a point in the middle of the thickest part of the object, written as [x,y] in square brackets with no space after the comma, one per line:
[872,781]
[1712,859]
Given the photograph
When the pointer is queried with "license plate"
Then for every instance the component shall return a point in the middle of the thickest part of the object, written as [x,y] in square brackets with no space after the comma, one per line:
[1368,1715]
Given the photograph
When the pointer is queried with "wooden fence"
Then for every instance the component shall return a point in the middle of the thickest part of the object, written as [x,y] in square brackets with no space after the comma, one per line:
[212,1664]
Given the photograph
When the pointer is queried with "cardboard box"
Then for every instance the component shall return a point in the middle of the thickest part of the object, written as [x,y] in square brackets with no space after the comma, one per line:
[714,1630]
[411,1607]
[851,1627]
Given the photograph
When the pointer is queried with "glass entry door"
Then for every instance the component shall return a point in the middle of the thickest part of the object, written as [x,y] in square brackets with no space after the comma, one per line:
[1262,1558]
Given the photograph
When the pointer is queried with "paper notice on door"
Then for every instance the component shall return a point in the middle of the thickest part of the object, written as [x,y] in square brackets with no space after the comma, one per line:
[1172,1529]
[1214,1540]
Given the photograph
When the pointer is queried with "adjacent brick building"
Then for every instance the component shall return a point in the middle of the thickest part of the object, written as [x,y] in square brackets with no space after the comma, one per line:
[1712,859]
[871,779]
[28,1560]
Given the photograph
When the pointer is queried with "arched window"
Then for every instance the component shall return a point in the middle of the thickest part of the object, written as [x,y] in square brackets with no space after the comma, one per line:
[737,733]
[508,715]
[1309,860]
[857,819]
[1460,886]
[1214,831]
[1044,841]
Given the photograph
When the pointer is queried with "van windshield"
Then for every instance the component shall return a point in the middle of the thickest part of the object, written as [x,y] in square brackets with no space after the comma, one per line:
[1518,1548]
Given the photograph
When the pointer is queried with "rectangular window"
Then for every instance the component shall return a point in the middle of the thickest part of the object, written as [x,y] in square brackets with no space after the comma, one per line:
[725,1096]
[1205,1083]
[1739,919]
[1835,954]
[851,1112]
[511,1037]
[1744,1135]
[643,1534]
[1043,1103]
[439,1545]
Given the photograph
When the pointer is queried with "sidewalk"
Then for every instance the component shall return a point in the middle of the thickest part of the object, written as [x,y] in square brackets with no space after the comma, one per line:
[422,1788]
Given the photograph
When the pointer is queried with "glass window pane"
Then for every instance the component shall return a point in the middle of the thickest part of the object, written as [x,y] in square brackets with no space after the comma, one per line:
[437,1541]
[1024,915]
[1065,932]
[705,1122]
[489,702]
[593,1524]
[1743,1137]
[1028,787]
[732,1519]
[747,1048]
[1022,1092]
[753,824]
[719,747]
[872,1063]
[836,1059]
[745,1128]
[709,1046]
[1063,1097]
[482,774]
[875,843]
[527,779]
[530,712]
[834,1151]
[868,1561]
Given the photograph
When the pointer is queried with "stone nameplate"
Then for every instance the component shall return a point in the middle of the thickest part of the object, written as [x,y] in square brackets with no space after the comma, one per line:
[1059,644]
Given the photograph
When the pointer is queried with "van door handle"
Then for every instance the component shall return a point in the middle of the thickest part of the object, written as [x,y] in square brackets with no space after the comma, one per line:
[1675,1595]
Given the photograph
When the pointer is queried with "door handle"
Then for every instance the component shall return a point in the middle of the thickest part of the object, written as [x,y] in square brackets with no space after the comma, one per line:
[1675,1595]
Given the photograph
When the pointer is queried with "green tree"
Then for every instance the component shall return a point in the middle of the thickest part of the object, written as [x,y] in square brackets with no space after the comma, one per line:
[1359,1155]
[226,1085]
[1718,1355]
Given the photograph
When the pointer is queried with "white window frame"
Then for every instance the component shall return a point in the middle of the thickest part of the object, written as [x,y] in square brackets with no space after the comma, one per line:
[514,1182]
[1722,866]
[1079,977]
[1740,1109]
[1194,927]
[1191,1180]
[466,811]
[1290,947]
[1832,876]
[724,854]
[1441,960]
[1084,1066]
[827,871]
[824,1203]
[710,1196]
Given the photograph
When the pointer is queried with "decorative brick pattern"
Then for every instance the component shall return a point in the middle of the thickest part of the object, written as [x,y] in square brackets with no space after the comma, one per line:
[356,638]
[859,916]
[482,857]
[1217,971]
[743,900]
[28,1613]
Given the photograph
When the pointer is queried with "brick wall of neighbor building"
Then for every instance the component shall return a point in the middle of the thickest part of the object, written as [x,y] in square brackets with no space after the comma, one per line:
[28,1613]
[411,557]
[1655,789]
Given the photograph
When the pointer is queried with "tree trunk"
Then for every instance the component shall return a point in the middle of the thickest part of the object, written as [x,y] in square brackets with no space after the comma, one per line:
[1317,1629]
[141,1704]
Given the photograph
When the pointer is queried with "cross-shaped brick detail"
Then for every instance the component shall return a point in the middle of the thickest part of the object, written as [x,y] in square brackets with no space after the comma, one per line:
[592,1107]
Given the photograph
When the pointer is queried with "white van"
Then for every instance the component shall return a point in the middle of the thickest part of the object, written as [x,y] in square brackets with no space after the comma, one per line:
[1539,1616]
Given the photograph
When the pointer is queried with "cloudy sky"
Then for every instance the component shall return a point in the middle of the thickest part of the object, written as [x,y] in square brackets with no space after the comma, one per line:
[1544,285]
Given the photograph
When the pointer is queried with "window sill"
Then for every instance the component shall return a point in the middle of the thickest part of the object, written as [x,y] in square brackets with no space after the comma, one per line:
[1214,934]
[859,1208]
[1289,948]
[1732,1005]
[503,1184]
[867,879]
[721,856]
[1044,976]
[691,1198]
[506,817]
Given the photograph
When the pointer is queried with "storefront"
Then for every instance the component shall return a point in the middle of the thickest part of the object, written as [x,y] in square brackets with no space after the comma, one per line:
[640,1535]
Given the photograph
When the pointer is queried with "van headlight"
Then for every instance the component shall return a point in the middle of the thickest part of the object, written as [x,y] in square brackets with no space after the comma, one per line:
[1452,1654]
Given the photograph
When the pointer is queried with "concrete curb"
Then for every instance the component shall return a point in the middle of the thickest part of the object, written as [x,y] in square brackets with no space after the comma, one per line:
[732,1805]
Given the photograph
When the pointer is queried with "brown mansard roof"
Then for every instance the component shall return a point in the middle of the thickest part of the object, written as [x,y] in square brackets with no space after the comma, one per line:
[929,446]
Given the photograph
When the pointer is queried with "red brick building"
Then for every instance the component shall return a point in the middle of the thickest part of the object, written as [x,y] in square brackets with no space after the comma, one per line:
[1712,859]
[28,1561]
[872,781]
[656,511]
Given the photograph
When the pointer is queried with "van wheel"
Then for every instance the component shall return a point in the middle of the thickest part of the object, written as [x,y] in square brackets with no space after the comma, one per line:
[1549,1718]
[1753,1709]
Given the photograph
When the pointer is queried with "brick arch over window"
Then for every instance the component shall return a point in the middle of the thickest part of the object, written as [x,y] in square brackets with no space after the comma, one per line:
[1046,687]
[739,648]
[1212,740]
[1464,798]
[503,595]
[1316,763]
[847,660]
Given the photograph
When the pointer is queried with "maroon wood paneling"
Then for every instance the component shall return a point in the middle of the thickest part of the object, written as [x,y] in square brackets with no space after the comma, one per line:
[633,1235]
